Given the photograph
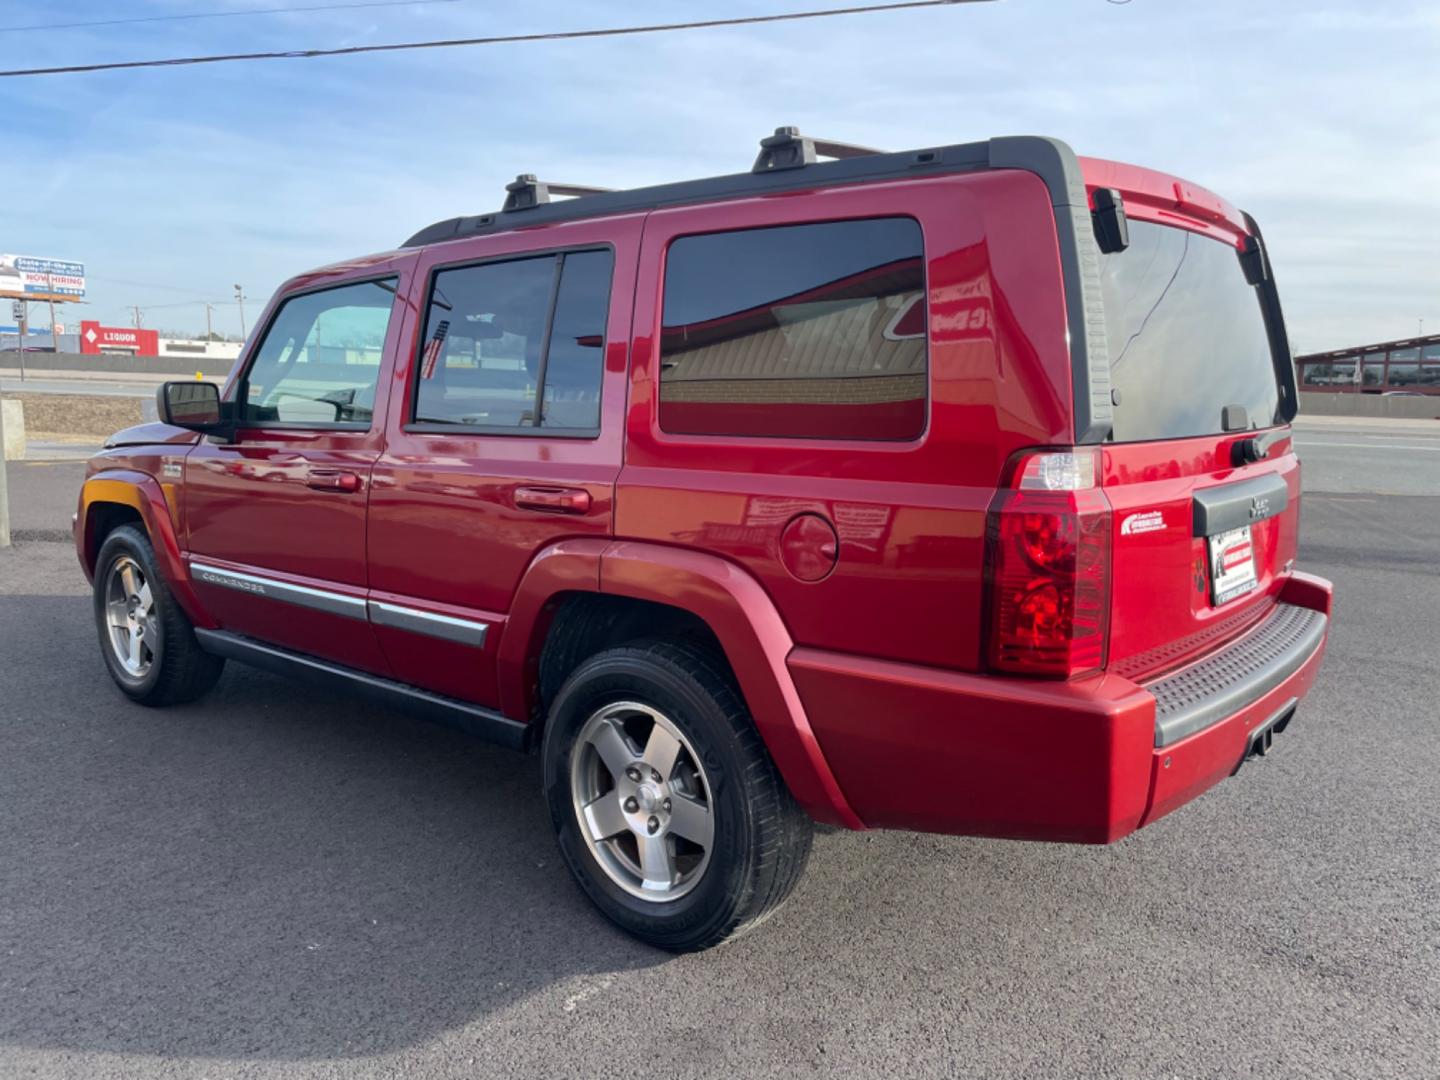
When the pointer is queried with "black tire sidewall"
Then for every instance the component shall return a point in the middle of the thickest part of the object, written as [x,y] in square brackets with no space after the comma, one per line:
[127,541]
[629,675]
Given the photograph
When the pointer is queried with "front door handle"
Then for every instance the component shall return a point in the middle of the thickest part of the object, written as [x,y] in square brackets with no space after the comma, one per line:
[553,500]
[332,480]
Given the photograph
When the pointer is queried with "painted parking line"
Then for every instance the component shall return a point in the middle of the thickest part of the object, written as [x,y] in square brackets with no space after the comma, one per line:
[1302,443]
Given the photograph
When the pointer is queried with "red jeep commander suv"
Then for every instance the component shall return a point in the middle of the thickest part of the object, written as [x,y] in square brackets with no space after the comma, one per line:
[948,490]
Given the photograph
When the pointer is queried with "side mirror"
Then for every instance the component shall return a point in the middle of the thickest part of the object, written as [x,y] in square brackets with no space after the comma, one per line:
[193,405]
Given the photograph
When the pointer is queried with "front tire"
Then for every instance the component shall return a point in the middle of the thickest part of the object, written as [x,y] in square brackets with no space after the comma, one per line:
[667,807]
[147,642]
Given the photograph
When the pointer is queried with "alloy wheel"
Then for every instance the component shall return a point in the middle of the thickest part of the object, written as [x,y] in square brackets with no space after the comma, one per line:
[131,617]
[642,801]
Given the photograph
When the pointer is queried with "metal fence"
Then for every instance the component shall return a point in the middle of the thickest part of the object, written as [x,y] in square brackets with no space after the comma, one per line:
[67,343]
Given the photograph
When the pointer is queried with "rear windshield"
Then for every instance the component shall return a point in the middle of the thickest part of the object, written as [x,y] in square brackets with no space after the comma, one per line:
[1186,336]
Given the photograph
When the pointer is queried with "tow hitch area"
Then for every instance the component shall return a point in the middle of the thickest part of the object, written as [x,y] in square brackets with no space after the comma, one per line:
[1261,739]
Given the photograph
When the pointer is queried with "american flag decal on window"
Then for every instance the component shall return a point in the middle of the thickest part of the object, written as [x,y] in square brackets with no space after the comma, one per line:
[432,350]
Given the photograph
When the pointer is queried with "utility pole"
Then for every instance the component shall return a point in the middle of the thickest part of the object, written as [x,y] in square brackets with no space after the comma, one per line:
[209,329]
[4,478]
[4,483]
[136,308]
[240,299]
[50,288]
[23,325]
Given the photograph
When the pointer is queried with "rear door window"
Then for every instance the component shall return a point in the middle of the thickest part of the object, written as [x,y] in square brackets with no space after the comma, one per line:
[516,345]
[798,331]
[1186,337]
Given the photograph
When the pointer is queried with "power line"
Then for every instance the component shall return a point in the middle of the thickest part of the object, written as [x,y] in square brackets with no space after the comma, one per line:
[568,35]
[150,285]
[219,15]
[183,303]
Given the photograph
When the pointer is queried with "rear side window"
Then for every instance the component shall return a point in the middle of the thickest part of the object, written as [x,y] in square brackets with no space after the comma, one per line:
[1186,336]
[802,331]
[516,345]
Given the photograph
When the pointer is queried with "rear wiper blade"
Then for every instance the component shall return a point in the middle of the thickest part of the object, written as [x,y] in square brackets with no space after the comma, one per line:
[1257,447]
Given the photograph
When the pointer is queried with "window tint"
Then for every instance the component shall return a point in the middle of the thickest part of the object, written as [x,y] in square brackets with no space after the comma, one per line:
[1404,367]
[1430,372]
[485,362]
[577,343]
[808,331]
[320,360]
[1186,337]
[1328,373]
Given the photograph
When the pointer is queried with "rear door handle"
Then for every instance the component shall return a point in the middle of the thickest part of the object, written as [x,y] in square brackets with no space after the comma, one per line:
[332,480]
[553,500]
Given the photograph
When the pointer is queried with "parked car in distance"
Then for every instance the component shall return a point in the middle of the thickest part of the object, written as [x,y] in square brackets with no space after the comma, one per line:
[946,490]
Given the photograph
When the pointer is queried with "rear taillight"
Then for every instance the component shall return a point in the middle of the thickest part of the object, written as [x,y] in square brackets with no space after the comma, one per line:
[1047,566]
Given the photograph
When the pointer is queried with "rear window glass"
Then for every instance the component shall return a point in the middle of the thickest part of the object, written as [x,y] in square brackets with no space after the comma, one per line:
[801,331]
[1186,336]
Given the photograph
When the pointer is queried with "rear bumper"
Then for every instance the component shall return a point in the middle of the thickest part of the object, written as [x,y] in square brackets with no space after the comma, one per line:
[1086,761]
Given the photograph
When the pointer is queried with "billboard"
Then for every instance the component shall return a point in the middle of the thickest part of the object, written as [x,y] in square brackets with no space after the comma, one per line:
[40,279]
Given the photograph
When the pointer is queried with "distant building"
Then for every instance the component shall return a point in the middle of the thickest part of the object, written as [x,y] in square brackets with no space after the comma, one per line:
[1412,364]
[129,341]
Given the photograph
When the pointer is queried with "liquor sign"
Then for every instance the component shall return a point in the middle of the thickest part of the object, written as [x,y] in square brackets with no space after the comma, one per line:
[23,275]
[95,339]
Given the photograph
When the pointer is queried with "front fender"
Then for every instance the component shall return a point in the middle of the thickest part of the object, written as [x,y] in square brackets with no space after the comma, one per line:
[143,494]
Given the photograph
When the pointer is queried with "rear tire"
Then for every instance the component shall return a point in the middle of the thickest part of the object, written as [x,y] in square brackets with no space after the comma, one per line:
[147,642]
[667,807]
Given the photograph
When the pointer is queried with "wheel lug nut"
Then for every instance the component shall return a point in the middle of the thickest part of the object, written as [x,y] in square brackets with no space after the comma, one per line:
[631,805]
[653,825]
[667,806]
[633,773]
[654,775]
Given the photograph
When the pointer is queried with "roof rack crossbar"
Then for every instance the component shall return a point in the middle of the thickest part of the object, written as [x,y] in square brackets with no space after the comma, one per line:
[525,192]
[577,189]
[788,149]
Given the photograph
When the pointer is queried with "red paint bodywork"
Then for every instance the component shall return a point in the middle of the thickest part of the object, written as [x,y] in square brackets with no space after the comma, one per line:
[866,678]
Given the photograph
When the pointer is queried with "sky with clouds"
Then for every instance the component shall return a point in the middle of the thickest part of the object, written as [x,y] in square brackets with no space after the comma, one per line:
[1321,119]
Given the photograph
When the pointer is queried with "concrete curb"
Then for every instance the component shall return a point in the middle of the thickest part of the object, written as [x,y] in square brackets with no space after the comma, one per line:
[14,449]
[1309,422]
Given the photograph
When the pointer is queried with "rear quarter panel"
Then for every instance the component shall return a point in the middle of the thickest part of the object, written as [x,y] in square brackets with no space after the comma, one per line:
[910,515]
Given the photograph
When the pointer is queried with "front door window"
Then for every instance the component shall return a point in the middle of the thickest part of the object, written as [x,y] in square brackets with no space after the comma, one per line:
[319,362]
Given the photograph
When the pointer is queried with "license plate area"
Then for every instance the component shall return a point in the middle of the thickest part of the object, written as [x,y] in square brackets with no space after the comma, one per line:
[1232,565]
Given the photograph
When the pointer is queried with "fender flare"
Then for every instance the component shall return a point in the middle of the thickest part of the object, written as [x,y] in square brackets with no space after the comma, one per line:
[565,567]
[731,602]
[757,644]
[143,494]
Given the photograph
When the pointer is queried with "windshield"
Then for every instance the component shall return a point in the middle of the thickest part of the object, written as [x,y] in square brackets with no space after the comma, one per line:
[1186,336]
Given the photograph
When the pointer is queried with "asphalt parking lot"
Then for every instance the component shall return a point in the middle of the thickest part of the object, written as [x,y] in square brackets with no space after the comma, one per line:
[280,883]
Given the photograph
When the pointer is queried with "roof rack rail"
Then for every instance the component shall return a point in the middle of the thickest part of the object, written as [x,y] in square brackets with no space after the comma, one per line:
[525,192]
[788,149]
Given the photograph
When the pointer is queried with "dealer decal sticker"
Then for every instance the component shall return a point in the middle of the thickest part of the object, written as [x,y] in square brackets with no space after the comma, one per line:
[1148,521]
